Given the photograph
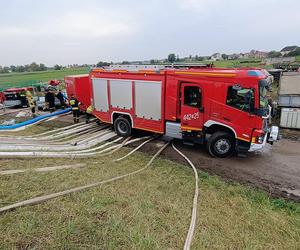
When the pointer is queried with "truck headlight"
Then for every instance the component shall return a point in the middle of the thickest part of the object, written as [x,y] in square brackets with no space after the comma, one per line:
[260,139]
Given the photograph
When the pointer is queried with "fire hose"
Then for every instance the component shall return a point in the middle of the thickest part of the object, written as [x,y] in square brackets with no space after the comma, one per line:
[34,120]
[189,237]
[111,150]
[56,141]
[84,144]
[45,198]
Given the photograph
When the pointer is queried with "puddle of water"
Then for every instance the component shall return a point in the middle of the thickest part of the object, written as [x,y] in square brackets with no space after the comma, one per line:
[295,192]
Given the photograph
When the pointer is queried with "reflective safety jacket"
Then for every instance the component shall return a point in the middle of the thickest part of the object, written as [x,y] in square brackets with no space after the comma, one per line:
[74,103]
[30,99]
[90,109]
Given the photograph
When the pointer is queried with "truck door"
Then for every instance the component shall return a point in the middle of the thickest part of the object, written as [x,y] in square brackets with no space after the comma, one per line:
[191,107]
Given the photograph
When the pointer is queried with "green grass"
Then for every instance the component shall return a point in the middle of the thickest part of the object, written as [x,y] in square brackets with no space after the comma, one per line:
[298,58]
[235,63]
[29,78]
[148,211]
[238,63]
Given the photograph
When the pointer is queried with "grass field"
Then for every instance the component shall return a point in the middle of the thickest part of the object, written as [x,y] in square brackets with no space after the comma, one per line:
[27,78]
[147,211]
[238,63]
[235,63]
[298,58]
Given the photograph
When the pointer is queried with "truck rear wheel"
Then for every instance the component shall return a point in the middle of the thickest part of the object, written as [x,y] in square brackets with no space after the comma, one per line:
[122,127]
[221,144]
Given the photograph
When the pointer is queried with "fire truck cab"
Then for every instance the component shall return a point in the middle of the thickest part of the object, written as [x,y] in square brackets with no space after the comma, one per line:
[227,109]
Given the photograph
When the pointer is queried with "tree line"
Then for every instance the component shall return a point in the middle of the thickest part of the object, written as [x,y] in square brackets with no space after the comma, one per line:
[24,68]
[274,53]
[33,67]
[175,58]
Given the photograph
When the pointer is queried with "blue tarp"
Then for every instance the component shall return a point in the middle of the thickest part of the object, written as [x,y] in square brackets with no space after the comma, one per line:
[34,120]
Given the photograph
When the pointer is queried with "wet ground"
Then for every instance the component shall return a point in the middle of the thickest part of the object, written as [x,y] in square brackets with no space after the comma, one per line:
[276,169]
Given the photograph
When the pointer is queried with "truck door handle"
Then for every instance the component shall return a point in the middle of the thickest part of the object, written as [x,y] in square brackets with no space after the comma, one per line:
[201,109]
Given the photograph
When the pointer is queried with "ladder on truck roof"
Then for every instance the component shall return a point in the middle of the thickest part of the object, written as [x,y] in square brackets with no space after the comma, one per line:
[137,67]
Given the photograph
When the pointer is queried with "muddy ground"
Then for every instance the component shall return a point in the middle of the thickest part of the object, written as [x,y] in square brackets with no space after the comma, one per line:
[276,169]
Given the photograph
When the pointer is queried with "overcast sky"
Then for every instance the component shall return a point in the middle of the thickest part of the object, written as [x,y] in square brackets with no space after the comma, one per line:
[76,31]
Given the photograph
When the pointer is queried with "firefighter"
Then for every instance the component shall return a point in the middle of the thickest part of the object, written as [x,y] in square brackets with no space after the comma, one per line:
[75,108]
[23,99]
[46,106]
[61,98]
[50,100]
[31,102]
[89,112]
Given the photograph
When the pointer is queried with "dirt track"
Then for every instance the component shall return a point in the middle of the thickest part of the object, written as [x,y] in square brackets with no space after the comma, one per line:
[276,169]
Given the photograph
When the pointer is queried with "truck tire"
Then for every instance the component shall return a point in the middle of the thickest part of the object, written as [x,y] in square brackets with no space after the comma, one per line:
[122,127]
[221,144]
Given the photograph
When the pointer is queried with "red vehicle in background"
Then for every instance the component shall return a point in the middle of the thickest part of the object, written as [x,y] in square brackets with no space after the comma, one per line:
[2,97]
[79,86]
[16,97]
[227,109]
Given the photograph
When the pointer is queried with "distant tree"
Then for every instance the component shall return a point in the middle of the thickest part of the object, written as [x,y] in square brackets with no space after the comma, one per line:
[34,67]
[190,57]
[296,52]
[102,64]
[26,67]
[177,58]
[13,68]
[125,62]
[57,67]
[273,54]
[154,61]
[200,58]
[172,58]
[20,68]
[225,57]
[4,69]
[42,67]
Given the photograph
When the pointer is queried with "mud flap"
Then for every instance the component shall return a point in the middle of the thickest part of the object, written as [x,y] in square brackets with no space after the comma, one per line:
[242,148]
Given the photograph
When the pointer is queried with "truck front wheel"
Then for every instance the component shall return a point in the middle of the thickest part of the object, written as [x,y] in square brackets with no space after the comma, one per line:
[221,144]
[122,127]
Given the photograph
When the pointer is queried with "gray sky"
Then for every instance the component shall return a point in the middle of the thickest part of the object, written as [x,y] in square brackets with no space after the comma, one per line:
[73,31]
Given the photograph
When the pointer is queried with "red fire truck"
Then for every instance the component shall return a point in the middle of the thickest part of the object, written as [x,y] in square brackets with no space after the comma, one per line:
[225,108]
[79,86]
